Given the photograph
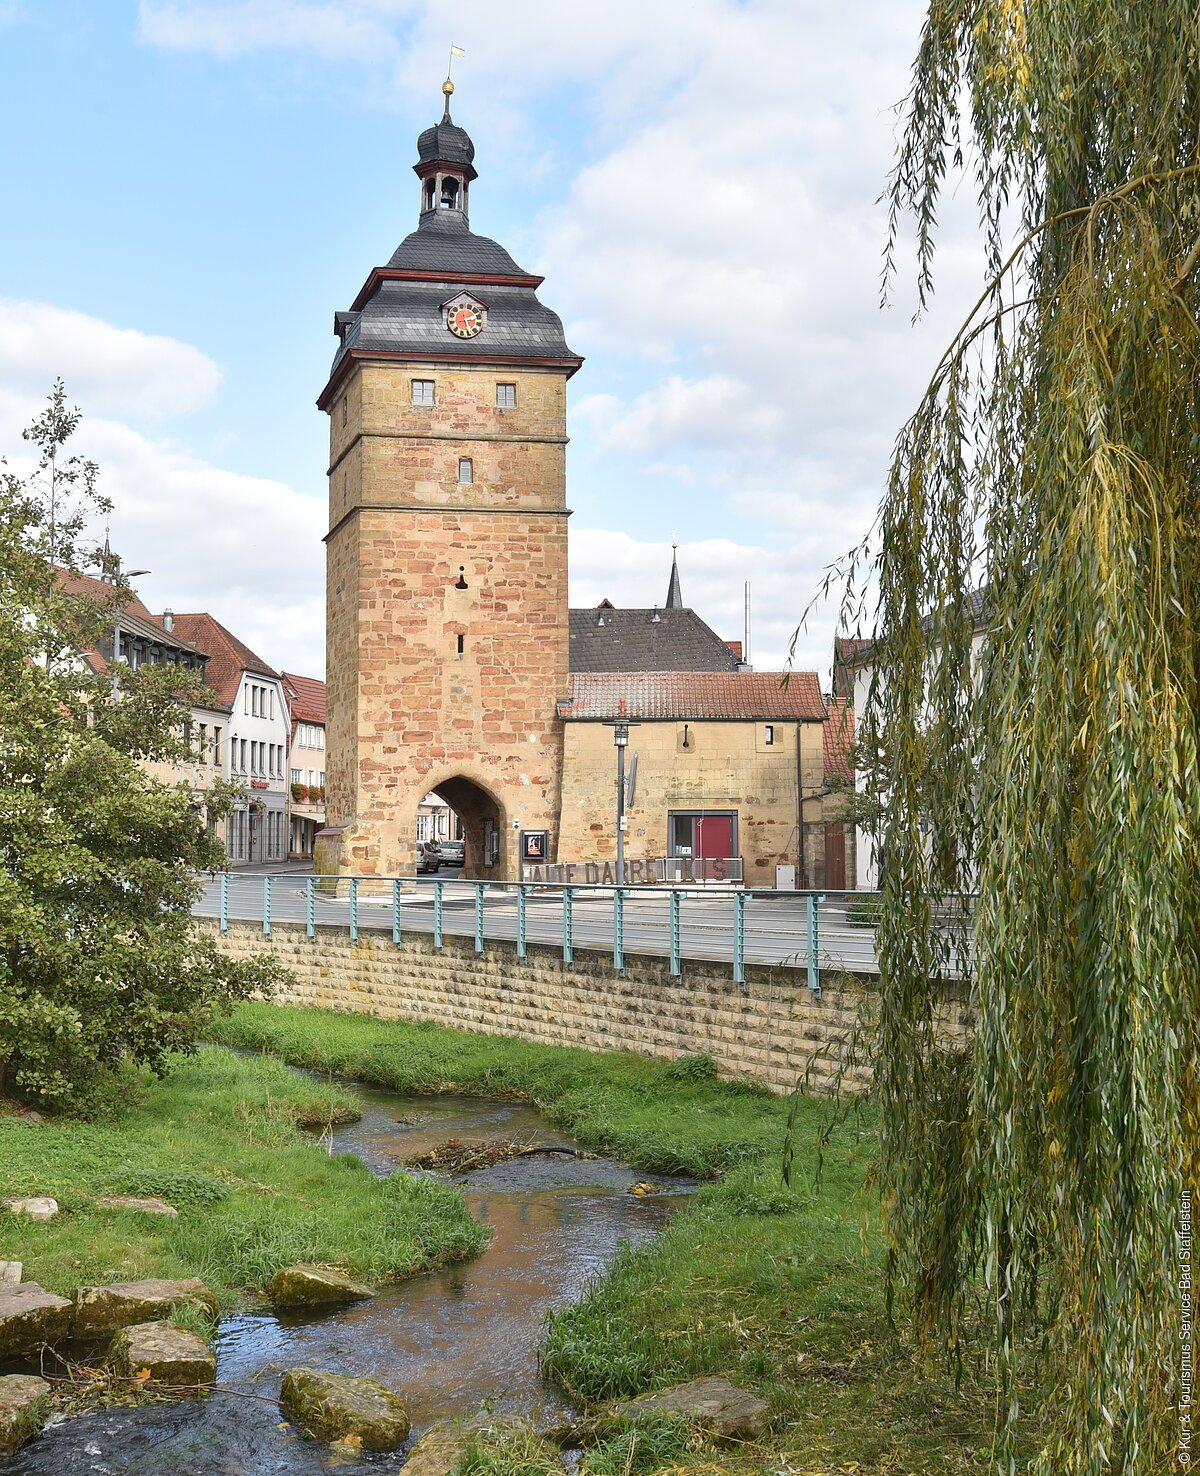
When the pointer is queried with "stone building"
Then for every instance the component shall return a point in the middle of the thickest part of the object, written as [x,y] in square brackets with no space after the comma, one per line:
[453,664]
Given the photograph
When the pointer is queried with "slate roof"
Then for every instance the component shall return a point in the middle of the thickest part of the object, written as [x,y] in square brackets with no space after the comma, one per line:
[838,739]
[228,657]
[696,696]
[443,242]
[632,640]
[445,142]
[674,594]
[306,698]
[403,317]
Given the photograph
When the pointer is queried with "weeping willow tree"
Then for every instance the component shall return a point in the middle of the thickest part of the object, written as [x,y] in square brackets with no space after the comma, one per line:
[1032,1181]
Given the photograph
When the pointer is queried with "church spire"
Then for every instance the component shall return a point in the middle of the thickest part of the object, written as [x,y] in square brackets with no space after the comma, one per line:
[674,597]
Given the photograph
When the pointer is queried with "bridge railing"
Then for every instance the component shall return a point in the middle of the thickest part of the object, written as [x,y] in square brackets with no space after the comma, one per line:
[813,931]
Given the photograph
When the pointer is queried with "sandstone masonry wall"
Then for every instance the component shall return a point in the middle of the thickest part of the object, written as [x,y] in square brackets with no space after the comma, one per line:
[773,1033]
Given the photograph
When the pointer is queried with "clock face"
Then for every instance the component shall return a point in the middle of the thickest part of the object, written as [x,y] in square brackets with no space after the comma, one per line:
[464,320]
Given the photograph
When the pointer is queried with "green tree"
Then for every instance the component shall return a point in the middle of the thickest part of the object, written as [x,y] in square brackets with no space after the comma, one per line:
[100,962]
[1035,1178]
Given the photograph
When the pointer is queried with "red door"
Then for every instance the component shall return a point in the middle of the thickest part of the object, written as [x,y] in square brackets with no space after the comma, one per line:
[714,836]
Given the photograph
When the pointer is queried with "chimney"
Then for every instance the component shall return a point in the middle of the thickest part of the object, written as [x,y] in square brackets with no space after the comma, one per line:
[168,619]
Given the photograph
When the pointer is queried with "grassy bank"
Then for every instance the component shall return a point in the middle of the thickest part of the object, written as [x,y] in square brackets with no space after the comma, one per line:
[667,1117]
[219,1140]
[781,1289]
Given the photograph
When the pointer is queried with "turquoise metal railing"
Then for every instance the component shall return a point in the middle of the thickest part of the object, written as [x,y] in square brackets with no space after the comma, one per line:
[744,928]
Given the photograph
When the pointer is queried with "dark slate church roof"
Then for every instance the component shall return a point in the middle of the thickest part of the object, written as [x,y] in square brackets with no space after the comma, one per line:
[632,640]
[400,311]
[443,243]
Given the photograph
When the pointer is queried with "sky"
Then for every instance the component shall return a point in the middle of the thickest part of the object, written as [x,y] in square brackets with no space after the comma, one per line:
[192,188]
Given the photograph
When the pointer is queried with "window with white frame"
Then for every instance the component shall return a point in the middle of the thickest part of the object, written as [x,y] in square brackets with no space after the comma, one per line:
[422,391]
[506,396]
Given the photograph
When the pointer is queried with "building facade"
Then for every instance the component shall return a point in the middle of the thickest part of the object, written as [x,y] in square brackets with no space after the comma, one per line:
[257,741]
[306,762]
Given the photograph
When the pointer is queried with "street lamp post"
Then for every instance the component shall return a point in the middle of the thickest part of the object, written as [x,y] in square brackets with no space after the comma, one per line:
[621,727]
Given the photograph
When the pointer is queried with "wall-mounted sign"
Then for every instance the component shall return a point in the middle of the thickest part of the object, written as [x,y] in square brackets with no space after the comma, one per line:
[259,784]
[535,845]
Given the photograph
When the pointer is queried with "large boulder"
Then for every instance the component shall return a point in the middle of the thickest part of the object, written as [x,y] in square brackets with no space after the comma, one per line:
[30,1316]
[314,1286]
[104,1309]
[331,1406]
[442,1447]
[151,1206]
[712,1404]
[171,1355]
[24,1405]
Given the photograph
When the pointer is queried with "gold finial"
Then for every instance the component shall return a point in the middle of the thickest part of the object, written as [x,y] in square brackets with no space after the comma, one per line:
[447,87]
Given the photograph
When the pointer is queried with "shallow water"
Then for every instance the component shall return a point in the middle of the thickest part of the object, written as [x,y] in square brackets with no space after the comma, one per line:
[447,1340]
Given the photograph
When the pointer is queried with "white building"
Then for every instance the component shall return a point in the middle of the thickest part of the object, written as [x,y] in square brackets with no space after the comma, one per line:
[854,673]
[256,755]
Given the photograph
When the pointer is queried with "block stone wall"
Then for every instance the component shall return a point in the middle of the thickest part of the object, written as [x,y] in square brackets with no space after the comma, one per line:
[773,1033]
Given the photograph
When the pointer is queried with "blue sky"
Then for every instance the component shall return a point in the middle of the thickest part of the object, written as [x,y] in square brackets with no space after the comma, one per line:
[193,187]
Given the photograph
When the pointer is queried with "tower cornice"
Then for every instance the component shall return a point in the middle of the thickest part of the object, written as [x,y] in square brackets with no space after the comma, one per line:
[452,360]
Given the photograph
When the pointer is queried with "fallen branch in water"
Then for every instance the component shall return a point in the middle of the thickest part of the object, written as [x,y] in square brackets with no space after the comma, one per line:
[456,1157]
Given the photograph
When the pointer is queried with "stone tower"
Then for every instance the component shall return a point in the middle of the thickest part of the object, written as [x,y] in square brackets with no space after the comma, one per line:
[447,546]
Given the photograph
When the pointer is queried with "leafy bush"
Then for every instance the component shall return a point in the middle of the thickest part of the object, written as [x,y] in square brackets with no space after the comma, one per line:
[692,1068]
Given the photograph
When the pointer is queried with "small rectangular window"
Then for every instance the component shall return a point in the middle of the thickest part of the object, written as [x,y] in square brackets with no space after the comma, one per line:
[506,396]
[462,644]
[422,391]
[345,411]
[466,471]
[769,733]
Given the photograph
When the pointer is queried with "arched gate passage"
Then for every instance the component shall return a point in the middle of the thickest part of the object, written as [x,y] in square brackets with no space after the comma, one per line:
[483,824]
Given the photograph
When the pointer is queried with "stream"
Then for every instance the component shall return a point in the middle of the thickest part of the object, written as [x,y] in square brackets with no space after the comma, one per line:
[445,1340]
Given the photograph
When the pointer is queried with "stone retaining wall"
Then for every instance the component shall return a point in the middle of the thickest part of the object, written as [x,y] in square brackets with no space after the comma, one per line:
[775,1032]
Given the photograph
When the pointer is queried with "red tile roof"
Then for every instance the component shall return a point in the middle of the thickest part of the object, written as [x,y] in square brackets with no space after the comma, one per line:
[694,695]
[101,590]
[839,739]
[306,698]
[228,657]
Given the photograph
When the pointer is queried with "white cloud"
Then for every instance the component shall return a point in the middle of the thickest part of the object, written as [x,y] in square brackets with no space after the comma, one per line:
[248,549]
[679,412]
[241,26]
[112,370]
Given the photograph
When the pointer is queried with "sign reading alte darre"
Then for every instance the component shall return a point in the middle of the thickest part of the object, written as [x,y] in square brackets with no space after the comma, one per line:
[638,873]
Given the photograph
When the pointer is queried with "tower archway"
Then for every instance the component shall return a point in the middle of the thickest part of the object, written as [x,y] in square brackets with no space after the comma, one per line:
[482,818]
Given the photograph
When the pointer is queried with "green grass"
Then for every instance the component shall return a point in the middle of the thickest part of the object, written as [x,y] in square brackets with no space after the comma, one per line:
[668,1117]
[218,1140]
[781,1289]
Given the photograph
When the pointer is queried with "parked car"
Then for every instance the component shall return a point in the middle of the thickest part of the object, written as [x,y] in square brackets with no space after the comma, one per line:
[429,856]
[454,852]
